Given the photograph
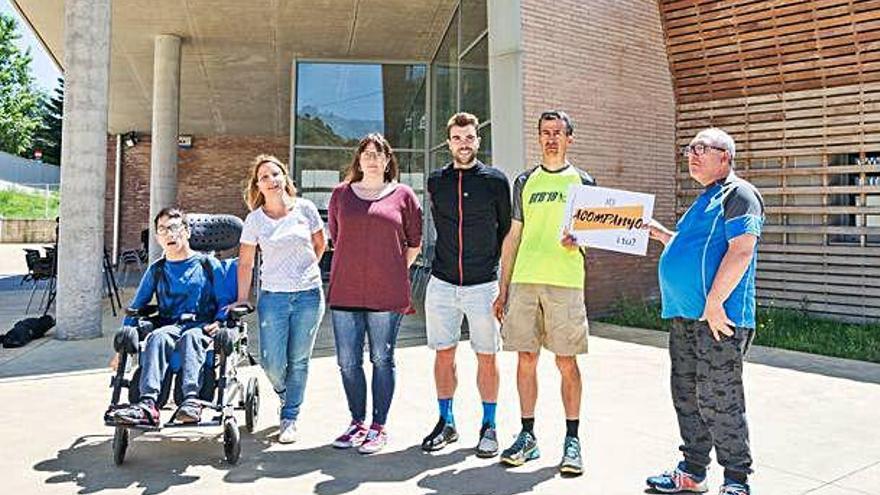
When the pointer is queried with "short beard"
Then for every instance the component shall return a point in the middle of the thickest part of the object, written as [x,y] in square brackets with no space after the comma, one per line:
[456,160]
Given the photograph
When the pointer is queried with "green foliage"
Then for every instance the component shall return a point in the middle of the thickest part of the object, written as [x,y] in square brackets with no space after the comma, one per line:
[777,327]
[20,100]
[17,204]
[48,137]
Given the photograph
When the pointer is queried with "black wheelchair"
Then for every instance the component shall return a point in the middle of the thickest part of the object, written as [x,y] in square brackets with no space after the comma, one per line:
[222,391]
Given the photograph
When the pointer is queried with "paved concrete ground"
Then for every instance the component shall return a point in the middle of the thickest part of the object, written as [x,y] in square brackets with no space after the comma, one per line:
[814,423]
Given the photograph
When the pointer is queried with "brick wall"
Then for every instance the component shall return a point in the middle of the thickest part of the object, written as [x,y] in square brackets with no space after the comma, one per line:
[605,63]
[210,178]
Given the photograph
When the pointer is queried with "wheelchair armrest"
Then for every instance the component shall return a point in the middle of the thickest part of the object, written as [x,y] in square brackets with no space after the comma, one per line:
[148,310]
[187,318]
[239,311]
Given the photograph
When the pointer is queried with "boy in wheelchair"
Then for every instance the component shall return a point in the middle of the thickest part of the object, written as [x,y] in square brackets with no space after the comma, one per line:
[191,301]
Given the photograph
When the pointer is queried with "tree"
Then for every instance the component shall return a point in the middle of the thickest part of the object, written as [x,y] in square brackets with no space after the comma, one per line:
[48,137]
[20,108]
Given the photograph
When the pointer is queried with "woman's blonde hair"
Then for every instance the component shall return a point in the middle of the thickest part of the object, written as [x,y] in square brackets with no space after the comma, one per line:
[252,195]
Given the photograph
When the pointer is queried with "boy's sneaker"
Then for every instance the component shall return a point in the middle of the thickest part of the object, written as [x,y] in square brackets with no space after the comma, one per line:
[677,480]
[572,463]
[375,441]
[189,412]
[287,431]
[442,435]
[524,449]
[353,437]
[488,445]
[733,488]
[144,413]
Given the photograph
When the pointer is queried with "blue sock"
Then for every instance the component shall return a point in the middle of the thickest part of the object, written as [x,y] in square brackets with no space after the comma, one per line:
[446,410]
[489,413]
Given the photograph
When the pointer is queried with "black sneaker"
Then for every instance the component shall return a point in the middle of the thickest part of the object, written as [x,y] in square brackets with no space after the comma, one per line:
[524,449]
[442,435]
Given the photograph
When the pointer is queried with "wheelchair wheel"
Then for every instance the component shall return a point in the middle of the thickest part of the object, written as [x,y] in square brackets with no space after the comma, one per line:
[252,405]
[120,444]
[231,440]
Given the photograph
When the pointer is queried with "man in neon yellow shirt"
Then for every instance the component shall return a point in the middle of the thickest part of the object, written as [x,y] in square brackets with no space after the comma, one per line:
[542,287]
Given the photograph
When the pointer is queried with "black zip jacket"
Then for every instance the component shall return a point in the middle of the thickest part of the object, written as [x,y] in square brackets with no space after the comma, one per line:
[471,210]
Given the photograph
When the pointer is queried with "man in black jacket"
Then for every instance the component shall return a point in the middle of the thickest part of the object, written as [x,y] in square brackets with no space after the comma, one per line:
[470,204]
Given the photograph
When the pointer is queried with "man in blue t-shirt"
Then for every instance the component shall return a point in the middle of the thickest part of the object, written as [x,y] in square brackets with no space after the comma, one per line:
[184,283]
[707,285]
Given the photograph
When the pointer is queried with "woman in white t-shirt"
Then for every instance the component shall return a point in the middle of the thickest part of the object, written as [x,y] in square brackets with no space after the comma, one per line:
[290,234]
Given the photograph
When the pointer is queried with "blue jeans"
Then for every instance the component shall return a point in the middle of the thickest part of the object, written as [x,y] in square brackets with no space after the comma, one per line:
[156,358]
[349,329]
[289,322]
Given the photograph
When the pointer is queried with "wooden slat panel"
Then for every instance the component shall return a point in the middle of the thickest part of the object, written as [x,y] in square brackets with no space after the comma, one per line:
[818,258]
[804,190]
[791,80]
[866,253]
[821,282]
[842,300]
[860,272]
[837,311]
[838,293]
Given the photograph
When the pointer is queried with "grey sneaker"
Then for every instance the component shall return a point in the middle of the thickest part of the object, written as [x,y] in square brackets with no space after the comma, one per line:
[524,449]
[572,463]
[189,412]
[488,446]
[287,431]
[442,435]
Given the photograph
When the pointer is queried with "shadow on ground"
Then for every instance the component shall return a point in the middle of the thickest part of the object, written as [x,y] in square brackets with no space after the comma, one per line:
[157,462]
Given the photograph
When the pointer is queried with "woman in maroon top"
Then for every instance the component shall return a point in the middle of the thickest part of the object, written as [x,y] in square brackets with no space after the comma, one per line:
[376,226]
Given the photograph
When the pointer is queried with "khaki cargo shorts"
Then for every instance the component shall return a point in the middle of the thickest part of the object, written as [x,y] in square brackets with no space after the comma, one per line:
[545,315]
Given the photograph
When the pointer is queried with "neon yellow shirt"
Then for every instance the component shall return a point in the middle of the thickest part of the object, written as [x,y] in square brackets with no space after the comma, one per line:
[539,197]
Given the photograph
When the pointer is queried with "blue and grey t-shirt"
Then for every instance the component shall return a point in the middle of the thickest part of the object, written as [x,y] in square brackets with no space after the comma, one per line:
[725,210]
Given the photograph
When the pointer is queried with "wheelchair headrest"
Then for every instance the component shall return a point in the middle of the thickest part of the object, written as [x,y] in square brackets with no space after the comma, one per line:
[213,232]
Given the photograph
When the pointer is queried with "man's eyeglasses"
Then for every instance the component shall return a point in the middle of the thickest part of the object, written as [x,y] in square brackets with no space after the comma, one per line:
[698,149]
[174,228]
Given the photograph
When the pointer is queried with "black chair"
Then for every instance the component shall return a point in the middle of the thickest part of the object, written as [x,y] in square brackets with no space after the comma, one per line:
[39,268]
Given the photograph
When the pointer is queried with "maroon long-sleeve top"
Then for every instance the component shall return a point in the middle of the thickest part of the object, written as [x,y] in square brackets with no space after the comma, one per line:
[370,239]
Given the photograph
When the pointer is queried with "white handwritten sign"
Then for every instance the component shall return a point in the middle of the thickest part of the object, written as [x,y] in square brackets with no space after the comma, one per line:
[609,219]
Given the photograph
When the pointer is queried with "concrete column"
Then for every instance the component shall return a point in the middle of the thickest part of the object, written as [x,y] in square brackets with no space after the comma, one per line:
[506,85]
[83,168]
[166,122]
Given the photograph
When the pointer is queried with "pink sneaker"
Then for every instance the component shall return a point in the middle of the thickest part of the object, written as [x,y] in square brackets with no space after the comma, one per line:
[375,441]
[353,437]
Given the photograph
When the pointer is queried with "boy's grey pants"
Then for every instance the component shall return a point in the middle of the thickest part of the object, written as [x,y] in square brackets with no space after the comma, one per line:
[707,392]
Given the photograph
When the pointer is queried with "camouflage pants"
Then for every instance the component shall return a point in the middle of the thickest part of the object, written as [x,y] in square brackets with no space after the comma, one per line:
[707,392]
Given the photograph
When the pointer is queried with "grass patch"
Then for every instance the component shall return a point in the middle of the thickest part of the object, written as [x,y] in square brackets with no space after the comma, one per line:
[777,327]
[18,204]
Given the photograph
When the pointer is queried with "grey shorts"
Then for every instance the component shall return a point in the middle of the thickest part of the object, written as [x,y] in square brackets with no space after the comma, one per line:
[445,306]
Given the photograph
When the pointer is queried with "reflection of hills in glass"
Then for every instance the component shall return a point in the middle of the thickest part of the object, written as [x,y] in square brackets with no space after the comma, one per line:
[331,129]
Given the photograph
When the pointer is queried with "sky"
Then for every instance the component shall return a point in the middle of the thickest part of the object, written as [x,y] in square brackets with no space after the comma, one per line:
[355,92]
[42,67]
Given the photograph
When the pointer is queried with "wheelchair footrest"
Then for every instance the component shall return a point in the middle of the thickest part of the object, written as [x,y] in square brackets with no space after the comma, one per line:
[200,424]
[113,424]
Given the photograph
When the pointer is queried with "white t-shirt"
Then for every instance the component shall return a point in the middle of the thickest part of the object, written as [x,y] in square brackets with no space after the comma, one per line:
[289,261]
